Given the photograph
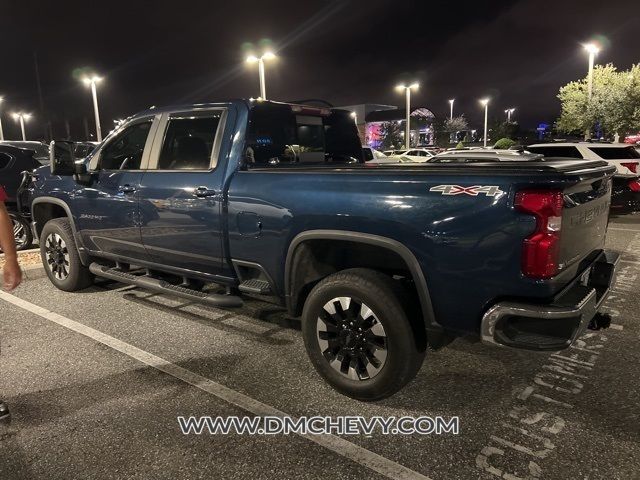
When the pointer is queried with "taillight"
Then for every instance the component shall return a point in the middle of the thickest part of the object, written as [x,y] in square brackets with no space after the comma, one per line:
[541,249]
[634,185]
[633,166]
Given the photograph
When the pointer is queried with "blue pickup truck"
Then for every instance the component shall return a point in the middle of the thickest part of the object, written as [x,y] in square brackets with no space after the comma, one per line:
[214,202]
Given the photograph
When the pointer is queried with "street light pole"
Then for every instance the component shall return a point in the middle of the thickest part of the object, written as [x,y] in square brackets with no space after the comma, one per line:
[21,117]
[485,102]
[509,111]
[95,110]
[593,50]
[451,110]
[1,132]
[260,60]
[407,94]
[91,81]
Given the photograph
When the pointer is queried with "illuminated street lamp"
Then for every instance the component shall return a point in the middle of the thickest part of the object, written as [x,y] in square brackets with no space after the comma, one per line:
[485,103]
[22,118]
[91,81]
[260,60]
[1,132]
[593,50]
[451,105]
[407,90]
[509,112]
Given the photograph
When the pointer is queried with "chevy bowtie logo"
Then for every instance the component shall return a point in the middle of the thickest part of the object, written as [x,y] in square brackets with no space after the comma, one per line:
[474,191]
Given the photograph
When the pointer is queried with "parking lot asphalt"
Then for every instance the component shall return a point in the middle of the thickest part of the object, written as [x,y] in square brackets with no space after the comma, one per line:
[91,380]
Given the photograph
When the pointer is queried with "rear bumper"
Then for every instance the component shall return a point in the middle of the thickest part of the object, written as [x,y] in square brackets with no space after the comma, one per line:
[556,325]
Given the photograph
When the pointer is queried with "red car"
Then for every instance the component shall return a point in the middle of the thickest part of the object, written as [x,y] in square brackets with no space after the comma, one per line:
[633,139]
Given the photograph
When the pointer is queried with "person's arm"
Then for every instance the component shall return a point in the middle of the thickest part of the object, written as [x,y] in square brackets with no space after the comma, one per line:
[12,273]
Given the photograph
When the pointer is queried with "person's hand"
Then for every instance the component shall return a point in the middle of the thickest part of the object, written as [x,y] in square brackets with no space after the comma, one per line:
[12,275]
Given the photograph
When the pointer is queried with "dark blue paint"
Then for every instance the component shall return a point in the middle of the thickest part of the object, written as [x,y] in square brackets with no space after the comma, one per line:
[469,247]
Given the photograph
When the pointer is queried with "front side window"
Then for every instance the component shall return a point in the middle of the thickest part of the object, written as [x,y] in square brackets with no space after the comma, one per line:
[124,152]
[189,141]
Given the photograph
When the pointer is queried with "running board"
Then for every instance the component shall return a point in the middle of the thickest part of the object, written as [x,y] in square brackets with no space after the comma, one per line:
[161,286]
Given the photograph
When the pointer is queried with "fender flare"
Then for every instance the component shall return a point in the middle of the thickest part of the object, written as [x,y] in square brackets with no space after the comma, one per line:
[61,203]
[370,239]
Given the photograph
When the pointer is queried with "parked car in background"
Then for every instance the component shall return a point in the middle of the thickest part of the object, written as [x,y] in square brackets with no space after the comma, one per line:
[624,157]
[625,191]
[416,155]
[483,154]
[633,139]
[40,150]
[13,161]
[371,153]
[82,149]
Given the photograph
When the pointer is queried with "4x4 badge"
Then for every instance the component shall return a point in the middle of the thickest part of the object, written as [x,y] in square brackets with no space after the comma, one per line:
[474,191]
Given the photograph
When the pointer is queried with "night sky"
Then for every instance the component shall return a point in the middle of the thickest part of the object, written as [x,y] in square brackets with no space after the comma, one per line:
[166,52]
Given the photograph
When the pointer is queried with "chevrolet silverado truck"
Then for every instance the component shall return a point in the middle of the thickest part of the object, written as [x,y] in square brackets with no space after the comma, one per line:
[216,202]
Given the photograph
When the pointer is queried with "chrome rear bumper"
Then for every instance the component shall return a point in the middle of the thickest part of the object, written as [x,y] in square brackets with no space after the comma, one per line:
[553,326]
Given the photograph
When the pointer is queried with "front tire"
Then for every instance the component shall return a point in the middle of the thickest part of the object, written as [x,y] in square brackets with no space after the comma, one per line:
[60,257]
[358,336]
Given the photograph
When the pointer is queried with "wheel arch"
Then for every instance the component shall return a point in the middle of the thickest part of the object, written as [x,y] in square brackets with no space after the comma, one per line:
[44,209]
[296,288]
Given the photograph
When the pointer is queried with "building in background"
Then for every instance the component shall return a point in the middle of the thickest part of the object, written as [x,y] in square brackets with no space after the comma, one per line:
[361,111]
[422,132]
[372,117]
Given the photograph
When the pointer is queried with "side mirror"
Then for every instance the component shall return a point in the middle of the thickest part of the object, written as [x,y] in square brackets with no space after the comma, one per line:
[61,158]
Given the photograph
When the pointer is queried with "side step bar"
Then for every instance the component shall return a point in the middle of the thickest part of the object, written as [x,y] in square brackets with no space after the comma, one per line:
[161,286]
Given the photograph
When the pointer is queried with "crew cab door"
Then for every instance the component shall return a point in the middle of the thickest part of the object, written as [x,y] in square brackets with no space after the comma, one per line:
[107,209]
[182,189]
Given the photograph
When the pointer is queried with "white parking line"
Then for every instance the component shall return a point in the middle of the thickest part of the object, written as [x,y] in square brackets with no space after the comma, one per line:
[620,229]
[630,261]
[338,445]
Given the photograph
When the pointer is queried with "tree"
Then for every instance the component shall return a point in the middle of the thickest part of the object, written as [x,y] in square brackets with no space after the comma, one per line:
[614,106]
[445,128]
[391,133]
[501,129]
[456,124]
[504,143]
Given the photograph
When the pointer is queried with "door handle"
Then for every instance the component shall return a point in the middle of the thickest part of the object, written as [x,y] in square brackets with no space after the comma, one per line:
[202,192]
[126,188]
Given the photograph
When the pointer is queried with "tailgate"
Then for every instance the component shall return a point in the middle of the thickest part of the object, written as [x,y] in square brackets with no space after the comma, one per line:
[584,219]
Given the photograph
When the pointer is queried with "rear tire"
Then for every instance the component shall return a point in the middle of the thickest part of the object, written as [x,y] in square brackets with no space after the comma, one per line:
[60,257]
[358,336]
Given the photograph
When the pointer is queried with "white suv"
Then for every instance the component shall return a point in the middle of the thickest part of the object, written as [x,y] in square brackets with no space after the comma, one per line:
[623,156]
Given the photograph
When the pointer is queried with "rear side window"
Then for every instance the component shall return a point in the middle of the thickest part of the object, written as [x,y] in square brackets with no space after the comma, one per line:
[563,152]
[189,141]
[616,153]
[125,151]
[5,159]
[278,136]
